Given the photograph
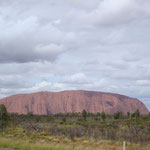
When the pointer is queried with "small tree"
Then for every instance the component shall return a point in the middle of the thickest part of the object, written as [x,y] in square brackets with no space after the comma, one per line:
[98,114]
[84,114]
[64,119]
[3,116]
[137,113]
[118,115]
[103,115]
[30,114]
[128,114]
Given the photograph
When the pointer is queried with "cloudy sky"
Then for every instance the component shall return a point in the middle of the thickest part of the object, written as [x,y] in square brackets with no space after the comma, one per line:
[54,45]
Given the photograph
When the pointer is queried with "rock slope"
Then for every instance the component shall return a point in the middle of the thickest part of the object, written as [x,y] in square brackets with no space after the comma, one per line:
[72,101]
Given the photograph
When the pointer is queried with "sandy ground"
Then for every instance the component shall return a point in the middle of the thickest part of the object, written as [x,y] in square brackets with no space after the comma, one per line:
[5,149]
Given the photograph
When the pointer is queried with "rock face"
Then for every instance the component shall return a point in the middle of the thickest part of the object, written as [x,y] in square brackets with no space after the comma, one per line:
[72,101]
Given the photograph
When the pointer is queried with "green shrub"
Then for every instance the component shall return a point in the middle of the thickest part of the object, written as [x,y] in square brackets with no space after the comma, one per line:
[3,117]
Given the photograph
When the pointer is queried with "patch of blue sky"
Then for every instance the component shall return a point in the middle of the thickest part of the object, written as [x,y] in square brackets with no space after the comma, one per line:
[51,79]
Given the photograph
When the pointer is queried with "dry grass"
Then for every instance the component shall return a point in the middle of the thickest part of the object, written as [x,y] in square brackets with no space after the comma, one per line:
[18,139]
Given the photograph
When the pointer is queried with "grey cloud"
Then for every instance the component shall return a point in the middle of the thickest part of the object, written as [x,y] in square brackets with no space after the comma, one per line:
[118,65]
[88,4]
[24,42]
[143,82]
[14,82]
[27,36]
[116,12]
[110,13]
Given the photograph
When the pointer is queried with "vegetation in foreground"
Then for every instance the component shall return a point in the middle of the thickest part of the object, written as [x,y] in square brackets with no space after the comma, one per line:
[79,131]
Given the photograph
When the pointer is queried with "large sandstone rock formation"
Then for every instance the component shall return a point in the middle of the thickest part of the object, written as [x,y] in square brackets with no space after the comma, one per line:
[72,101]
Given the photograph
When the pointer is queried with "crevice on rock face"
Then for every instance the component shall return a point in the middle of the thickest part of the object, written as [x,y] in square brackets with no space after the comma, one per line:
[109,103]
[27,108]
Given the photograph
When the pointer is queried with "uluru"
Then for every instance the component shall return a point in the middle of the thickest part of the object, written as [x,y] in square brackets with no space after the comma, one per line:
[71,102]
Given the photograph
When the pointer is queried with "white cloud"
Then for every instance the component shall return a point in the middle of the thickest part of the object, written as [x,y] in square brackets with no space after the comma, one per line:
[88,4]
[143,82]
[110,12]
[78,78]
